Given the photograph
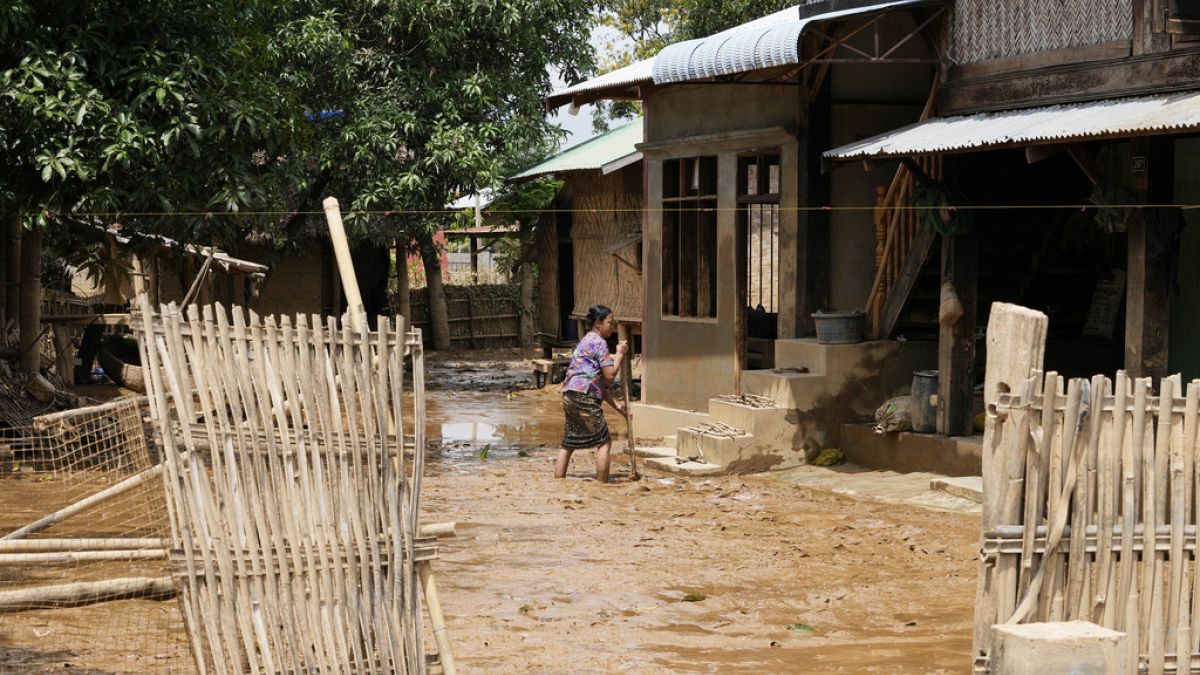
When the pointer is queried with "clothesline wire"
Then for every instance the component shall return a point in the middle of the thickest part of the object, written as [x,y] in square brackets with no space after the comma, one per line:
[664,209]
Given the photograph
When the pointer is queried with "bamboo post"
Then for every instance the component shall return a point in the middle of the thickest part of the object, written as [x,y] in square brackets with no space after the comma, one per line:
[345,263]
[436,618]
[1016,343]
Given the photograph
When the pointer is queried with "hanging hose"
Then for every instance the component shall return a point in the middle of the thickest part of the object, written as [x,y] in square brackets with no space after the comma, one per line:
[939,210]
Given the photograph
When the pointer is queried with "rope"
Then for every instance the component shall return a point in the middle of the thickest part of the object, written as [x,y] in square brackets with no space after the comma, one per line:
[943,210]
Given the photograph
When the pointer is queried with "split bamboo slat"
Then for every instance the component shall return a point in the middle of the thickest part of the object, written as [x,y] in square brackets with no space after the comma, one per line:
[293,508]
[1098,520]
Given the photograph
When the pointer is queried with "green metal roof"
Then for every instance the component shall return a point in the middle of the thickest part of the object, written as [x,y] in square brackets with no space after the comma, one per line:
[593,153]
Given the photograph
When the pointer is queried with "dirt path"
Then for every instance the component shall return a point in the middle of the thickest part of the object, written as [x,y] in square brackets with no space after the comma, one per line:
[573,576]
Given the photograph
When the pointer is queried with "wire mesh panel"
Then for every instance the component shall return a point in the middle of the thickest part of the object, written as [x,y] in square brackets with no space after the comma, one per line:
[83,561]
[292,513]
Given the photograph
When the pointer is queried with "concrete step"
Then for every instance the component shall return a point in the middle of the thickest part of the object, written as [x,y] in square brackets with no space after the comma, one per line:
[964,487]
[788,388]
[685,467]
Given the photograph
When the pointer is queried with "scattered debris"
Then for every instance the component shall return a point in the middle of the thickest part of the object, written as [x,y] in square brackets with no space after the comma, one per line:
[717,429]
[695,597]
[749,400]
[802,629]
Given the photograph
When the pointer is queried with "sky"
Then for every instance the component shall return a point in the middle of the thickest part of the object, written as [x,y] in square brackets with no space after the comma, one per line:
[579,126]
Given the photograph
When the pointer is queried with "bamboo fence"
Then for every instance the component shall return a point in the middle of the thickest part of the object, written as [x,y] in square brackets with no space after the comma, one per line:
[293,511]
[1095,516]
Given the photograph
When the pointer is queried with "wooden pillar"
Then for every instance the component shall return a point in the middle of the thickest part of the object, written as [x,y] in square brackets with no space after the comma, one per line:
[31,300]
[474,257]
[956,339]
[12,265]
[1147,304]
[403,291]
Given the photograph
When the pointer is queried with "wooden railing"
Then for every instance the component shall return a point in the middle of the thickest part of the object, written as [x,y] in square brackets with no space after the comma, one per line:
[897,226]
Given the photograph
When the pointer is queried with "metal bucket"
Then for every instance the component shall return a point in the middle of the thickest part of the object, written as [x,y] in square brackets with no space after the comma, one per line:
[923,406]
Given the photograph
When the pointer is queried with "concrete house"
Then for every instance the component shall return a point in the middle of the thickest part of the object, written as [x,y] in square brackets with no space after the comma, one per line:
[916,160]
[735,259]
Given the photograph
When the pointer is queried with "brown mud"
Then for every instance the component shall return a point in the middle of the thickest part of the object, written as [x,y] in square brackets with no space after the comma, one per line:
[738,574]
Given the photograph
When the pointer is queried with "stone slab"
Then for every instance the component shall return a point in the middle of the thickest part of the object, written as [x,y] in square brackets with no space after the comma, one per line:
[673,465]
[966,487]
[1059,649]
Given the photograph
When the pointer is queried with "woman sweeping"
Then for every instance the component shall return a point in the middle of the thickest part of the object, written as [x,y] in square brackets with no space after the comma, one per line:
[591,372]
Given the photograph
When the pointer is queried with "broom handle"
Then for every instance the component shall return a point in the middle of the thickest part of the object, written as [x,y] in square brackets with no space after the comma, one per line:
[626,376]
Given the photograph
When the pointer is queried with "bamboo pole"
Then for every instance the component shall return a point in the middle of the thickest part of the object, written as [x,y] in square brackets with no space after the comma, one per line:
[61,557]
[34,545]
[434,604]
[85,593]
[341,251]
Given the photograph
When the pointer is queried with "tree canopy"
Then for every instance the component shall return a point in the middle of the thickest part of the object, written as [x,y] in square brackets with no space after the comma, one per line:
[261,106]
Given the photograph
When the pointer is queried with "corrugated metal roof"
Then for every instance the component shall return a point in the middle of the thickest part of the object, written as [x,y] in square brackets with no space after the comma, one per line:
[627,76]
[1058,123]
[593,153]
[767,42]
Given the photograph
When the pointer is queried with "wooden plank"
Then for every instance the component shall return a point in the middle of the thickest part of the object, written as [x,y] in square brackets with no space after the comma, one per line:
[918,253]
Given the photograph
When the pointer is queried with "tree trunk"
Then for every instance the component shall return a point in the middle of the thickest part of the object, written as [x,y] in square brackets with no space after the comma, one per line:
[31,301]
[403,291]
[439,318]
[12,265]
[526,327]
[152,278]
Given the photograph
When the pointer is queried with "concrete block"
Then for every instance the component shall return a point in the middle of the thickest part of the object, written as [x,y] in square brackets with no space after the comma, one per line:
[964,487]
[1069,648]
[656,421]
[906,452]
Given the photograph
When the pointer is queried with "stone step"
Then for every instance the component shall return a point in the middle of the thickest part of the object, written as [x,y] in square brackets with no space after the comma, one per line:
[964,487]
[686,467]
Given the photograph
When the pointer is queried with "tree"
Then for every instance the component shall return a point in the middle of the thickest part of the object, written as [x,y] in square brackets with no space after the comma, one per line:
[420,101]
[115,105]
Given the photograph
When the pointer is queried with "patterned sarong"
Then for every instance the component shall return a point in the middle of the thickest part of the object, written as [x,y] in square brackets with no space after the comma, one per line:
[586,426]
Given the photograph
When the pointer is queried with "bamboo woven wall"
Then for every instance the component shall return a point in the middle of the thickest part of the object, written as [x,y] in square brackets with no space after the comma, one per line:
[1082,472]
[987,29]
[606,210]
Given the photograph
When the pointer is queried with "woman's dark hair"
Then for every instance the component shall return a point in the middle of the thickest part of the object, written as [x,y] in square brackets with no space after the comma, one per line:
[597,313]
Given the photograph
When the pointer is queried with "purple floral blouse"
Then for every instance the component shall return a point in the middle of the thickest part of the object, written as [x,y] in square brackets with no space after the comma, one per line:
[590,357]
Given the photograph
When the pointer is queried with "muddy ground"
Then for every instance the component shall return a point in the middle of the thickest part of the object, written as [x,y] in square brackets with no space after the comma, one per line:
[738,574]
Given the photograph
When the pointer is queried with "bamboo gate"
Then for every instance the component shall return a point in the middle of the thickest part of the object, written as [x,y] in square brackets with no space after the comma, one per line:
[293,510]
[1092,513]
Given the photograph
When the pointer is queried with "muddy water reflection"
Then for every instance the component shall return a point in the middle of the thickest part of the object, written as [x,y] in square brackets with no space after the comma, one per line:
[460,424]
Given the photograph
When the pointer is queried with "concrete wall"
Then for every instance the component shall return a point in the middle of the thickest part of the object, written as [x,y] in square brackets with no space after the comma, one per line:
[853,241]
[689,360]
[868,99]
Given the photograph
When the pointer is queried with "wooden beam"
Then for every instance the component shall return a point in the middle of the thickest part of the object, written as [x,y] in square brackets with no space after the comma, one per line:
[30,310]
[956,341]
[1147,305]
[1131,76]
